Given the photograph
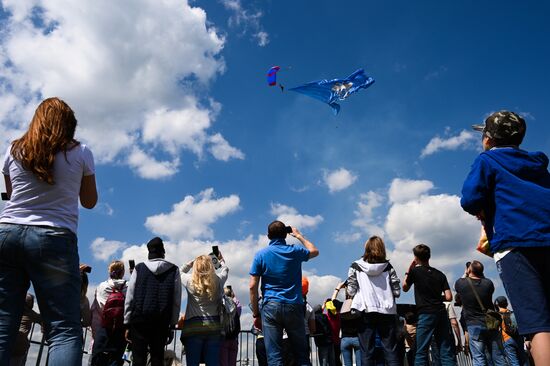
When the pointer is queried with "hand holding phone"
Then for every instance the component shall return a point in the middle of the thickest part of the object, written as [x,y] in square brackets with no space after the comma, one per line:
[215,250]
[215,259]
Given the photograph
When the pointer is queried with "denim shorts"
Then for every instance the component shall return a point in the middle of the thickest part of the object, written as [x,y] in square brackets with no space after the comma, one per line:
[525,273]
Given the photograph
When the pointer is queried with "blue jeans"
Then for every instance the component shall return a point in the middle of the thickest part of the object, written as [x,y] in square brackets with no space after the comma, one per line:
[205,347]
[290,317]
[385,325]
[438,326]
[483,340]
[348,346]
[47,257]
[513,352]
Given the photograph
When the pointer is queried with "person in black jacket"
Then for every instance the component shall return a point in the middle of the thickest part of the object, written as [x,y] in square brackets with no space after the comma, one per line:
[152,305]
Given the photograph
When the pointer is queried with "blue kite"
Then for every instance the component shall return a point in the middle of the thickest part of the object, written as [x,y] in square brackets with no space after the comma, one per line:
[330,91]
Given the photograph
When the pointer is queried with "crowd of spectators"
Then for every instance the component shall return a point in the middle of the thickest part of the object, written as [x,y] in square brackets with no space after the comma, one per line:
[47,172]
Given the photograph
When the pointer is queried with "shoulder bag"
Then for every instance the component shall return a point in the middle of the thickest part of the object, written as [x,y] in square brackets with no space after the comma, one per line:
[493,319]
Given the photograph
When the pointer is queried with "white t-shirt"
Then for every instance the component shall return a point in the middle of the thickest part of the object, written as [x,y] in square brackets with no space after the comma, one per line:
[34,202]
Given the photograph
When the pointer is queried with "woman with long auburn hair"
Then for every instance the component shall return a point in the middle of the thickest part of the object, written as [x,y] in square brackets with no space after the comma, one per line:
[46,172]
[202,330]
[374,285]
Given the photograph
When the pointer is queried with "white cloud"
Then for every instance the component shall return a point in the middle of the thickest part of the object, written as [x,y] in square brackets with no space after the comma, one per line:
[263,38]
[338,180]
[247,20]
[365,220]
[191,218]
[403,190]
[437,221]
[321,287]
[103,249]
[134,71]
[148,167]
[436,73]
[290,216]
[104,208]
[221,149]
[464,140]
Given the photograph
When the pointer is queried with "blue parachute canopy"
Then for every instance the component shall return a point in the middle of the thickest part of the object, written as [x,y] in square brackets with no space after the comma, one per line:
[272,75]
[330,91]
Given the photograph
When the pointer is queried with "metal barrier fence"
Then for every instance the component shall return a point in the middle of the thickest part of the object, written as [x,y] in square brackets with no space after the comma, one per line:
[246,355]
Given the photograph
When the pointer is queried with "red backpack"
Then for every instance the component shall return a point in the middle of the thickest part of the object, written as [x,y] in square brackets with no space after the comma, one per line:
[112,317]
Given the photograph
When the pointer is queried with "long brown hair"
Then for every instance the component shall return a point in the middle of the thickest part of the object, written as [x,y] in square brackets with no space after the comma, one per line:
[375,250]
[51,130]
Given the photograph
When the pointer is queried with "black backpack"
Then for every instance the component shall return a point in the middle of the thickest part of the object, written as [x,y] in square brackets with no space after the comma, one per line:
[233,333]
[323,334]
[509,327]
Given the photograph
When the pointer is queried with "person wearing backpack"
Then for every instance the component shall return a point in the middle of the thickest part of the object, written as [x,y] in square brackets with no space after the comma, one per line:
[202,328]
[152,305]
[510,336]
[108,318]
[230,345]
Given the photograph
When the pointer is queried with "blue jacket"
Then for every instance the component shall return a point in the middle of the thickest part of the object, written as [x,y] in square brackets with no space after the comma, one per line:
[512,187]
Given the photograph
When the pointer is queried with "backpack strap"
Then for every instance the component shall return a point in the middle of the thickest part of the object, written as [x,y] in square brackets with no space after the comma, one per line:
[475,294]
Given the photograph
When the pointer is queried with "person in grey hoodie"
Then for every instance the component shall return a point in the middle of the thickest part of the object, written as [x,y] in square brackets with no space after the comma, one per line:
[374,285]
[152,305]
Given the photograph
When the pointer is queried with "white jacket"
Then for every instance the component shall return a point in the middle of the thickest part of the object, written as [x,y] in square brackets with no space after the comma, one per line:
[373,286]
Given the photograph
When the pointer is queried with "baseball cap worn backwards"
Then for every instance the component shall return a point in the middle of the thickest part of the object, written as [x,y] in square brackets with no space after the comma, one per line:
[502,125]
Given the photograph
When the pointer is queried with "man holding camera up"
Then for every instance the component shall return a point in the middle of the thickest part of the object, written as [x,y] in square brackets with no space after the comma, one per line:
[280,268]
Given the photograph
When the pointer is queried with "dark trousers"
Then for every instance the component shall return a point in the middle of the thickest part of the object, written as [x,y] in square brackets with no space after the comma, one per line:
[108,348]
[385,326]
[261,353]
[148,338]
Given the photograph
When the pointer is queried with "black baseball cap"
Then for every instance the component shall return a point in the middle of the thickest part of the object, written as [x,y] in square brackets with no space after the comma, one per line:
[501,301]
[503,125]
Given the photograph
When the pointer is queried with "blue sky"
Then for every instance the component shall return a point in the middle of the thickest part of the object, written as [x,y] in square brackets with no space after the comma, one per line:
[193,146]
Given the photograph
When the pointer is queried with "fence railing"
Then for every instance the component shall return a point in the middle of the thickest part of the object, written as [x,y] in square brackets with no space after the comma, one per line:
[38,353]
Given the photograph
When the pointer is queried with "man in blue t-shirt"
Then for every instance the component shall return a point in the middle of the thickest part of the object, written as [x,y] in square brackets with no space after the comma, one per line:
[280,268]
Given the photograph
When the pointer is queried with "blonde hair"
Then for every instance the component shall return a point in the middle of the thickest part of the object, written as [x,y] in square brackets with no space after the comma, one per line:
[51,130]
[116,269]
[375,250]
[204,280]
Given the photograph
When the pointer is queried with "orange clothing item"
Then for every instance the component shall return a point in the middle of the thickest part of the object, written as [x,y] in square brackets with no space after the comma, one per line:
[505,335]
